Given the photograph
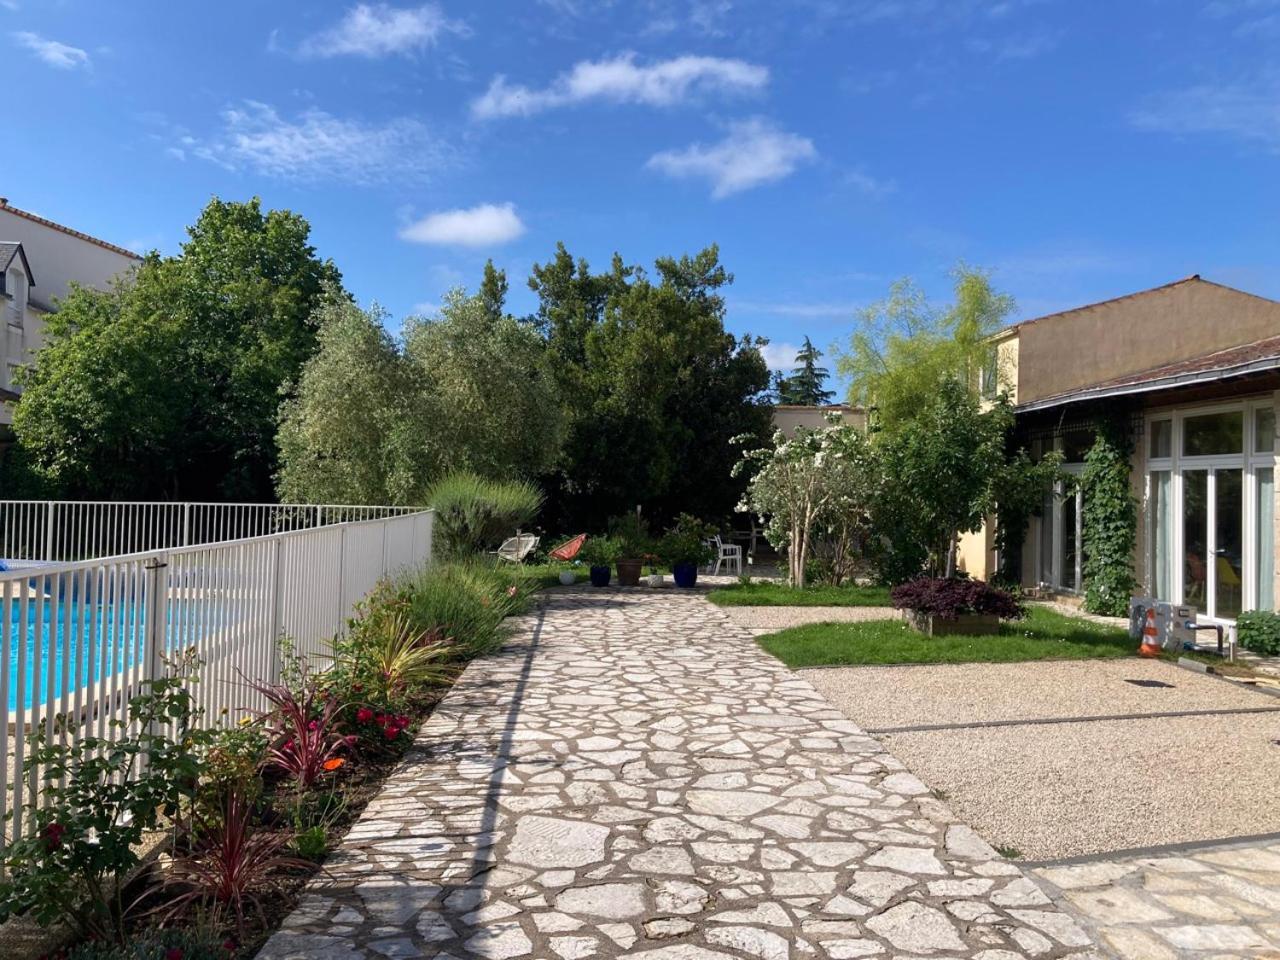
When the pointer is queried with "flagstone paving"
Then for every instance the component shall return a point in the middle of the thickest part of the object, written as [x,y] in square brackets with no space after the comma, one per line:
[631,776]
[1220,902]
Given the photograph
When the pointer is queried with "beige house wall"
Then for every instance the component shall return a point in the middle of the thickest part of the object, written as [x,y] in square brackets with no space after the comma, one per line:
[1081,348]
[976,555]
[789,418]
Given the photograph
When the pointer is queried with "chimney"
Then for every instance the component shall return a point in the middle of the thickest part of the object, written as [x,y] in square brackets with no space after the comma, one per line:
[4,201]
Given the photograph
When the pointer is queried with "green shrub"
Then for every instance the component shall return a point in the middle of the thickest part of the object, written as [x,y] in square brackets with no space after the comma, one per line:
[600,552]
[474,514]
[1259,631]
[158,944]
[686,541]
[631,533]
[467,602]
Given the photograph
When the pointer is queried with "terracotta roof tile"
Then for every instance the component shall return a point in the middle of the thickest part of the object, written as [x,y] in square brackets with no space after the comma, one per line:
[10,208]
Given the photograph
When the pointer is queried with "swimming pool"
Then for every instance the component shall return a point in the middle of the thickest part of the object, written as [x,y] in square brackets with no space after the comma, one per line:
[64,644]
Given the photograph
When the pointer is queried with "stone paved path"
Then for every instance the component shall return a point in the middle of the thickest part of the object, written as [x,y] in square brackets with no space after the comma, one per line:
[1212,902]
[632,776]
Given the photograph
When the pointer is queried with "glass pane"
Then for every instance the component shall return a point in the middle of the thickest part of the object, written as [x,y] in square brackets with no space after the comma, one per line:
[1195,531]
[1228,554]
[1213,433]
[1068,558]
[1161,557]
[1266,539]
[1264,430]
[1046,539]
[1161,439]
[1075,445]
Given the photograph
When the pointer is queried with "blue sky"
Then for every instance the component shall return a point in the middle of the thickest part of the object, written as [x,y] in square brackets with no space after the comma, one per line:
[1079,150]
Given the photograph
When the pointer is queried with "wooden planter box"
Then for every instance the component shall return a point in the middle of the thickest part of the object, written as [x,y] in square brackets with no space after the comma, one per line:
[967,624]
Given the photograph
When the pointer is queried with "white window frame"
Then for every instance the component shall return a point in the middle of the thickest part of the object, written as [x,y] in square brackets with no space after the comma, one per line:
[1247,462]
[1053,530]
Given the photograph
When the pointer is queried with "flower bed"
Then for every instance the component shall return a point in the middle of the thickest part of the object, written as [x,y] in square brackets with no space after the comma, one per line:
[246,813]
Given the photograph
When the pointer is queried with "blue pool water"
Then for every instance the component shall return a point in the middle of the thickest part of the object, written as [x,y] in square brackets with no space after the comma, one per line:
[81,641]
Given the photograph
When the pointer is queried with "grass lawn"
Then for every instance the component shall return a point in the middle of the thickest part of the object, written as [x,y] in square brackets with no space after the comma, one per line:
[1043,635]
[770,594]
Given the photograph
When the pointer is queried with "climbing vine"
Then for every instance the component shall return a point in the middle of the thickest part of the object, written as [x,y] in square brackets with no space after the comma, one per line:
[1109,520]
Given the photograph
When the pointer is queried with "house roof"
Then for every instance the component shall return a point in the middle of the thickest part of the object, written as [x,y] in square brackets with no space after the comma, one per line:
[10,249]
[1194,278]
[1257,357]
[833,407]
[9,208]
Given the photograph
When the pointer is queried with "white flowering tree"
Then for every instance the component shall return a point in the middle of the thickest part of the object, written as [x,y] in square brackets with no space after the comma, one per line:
[799,486]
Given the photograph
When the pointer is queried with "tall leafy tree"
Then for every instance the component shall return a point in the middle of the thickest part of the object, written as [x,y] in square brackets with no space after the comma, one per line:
[168,386]
[656,387]
[360,428]
[904,348]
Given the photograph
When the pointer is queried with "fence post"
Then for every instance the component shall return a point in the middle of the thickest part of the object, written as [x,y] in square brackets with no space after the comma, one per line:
[186,524]
[48,530]
[154,628]
[342,577]
[277,613]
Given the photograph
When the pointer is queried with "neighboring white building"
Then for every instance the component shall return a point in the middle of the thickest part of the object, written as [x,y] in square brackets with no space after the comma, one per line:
[39,260]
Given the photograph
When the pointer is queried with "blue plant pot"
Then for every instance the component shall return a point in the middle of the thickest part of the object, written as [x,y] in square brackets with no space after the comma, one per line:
[685,574]
[600,576]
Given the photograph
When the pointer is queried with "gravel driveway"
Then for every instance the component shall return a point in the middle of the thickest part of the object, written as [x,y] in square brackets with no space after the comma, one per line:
[1091,780]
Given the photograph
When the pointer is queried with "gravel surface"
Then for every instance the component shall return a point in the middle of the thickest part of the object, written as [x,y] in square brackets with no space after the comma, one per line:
[1068,789]
[885,697]
[770,619]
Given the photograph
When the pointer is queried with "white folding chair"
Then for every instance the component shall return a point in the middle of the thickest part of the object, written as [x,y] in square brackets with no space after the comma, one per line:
[727,553]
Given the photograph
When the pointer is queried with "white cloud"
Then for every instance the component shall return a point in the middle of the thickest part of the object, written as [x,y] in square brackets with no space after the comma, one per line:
[55,54]
[780,356]
[380,30]
[485,225]
[1249,110]
[808,311]
[753,153]
[621,80]
[319,146]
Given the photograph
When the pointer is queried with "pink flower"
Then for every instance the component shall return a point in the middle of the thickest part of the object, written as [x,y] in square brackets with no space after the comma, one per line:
[391,733]
[364,715]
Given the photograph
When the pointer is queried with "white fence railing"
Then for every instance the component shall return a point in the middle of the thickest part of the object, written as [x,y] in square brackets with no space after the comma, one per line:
[77,639]
[67,530]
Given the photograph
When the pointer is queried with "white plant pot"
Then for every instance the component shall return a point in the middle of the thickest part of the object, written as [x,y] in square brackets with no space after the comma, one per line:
[655,579]
[568,578]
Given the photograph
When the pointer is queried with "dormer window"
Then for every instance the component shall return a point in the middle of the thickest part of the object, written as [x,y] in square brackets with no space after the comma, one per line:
[16,288]
[15,282]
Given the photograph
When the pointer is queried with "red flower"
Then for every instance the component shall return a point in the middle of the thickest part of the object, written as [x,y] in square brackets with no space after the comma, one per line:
[53,835]
[391,733]
[173,953]
[364,715]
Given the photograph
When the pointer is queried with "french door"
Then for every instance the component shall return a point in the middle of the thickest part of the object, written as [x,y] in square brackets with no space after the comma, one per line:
[1213,539]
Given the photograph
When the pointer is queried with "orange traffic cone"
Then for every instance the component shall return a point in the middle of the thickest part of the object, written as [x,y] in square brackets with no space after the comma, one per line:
[1149,647]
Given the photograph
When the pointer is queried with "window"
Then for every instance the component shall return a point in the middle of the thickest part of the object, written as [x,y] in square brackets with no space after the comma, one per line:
[1160,517]
[1161,443]
[1266,539]
[17,287]
[1213,434]
[989,378]
[1264,430]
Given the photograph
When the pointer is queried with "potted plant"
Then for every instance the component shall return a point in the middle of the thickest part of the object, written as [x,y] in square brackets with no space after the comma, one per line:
[599,553]
[684,547]
[655,578]
[942,605]
[632,537]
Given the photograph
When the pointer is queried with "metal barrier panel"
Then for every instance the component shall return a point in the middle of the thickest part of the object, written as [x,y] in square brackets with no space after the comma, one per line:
[77,640]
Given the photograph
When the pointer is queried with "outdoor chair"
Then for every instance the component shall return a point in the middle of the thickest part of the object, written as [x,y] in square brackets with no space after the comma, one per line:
[518,547]
[729,554]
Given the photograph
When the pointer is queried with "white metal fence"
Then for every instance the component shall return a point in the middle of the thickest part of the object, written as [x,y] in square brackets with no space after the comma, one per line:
[65,530]
[77,639]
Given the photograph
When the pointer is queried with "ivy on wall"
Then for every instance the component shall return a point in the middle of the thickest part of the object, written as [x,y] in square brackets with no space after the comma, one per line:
[1109,520]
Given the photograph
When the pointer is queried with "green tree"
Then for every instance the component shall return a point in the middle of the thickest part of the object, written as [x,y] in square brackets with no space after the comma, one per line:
[904,348]
[361,428]
[940,474]
[657,387]
[168,386]
[498,408]
[805,385]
